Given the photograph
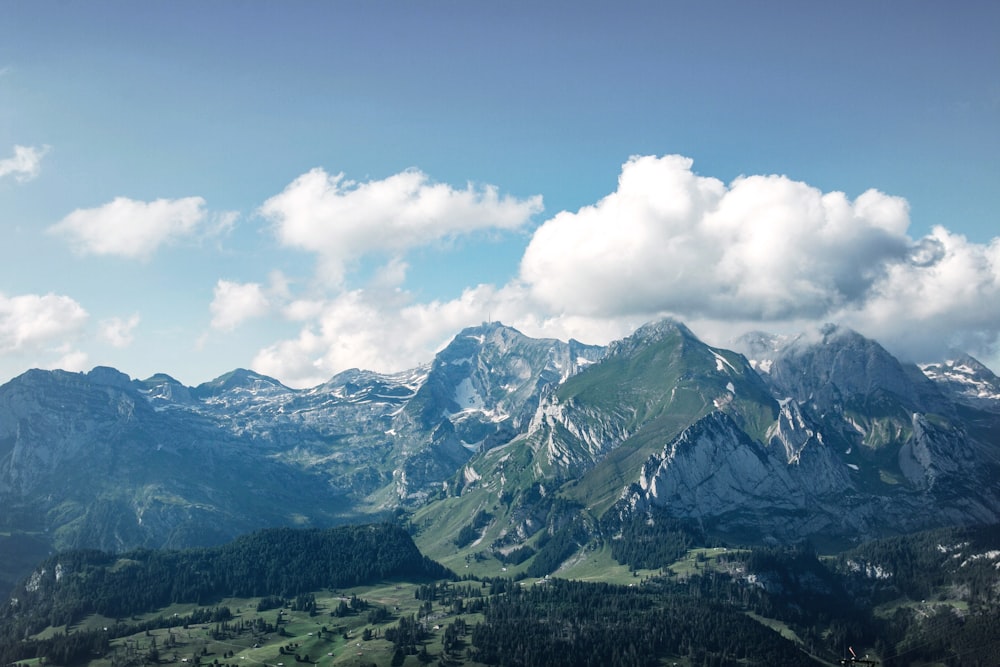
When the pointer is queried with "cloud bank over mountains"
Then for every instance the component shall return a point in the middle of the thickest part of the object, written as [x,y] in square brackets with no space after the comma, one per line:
[761,252]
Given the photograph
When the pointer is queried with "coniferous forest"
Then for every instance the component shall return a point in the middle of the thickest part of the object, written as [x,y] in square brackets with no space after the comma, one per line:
[927,598]
[282,562]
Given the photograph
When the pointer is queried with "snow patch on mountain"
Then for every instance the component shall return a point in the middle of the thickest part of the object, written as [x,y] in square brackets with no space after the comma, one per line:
[760,349]
[470,475]
[988,555]
[721,363]
[869,570]
[467,396]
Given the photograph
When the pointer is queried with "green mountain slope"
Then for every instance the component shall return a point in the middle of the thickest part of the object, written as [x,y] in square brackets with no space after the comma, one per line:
[588,442]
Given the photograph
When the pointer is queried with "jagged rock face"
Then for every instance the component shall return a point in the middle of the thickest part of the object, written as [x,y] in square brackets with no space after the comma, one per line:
[795,439]
[713,469]
[571,438]
[837,365]
[839,440]
[715,473]
[492,374]
[660,379]
[59,420]
[934,453]
[481,391]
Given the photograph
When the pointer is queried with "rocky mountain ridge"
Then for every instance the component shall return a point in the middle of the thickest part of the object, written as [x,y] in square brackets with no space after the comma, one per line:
[822,433]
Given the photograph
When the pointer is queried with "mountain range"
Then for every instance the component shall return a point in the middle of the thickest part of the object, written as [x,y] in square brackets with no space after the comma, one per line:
[516,441]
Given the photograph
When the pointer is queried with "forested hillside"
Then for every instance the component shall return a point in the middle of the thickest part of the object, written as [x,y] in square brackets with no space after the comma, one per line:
[282,562]
[930,598]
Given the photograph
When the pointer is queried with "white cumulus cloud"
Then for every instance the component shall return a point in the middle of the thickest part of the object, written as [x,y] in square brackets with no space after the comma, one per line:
[361,329]
[763,247]
[235,303]
[341,220]
[765,251]
[25,164]
[921,311]
[32,321]
[130,228]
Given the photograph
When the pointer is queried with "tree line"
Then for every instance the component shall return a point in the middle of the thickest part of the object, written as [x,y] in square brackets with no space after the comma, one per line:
[568,624]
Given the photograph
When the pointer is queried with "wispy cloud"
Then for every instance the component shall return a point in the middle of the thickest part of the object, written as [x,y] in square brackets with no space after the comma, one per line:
[377,329]
[69,359]
[119,332]
[25,164]
[234,303]
[390,330]
[130,228]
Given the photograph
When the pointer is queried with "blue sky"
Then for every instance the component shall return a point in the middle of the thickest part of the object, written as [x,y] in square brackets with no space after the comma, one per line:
[305,187]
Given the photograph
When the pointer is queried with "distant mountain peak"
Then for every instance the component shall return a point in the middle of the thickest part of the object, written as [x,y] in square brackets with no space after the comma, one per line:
[241,378]
[967,379]
[490,325]
[160,378]
[109,376]
[828,334]
[651,333]
[760,348]
[657,329]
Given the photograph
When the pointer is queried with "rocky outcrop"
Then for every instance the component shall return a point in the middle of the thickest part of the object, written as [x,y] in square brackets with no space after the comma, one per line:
[797,487]
[715,474]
